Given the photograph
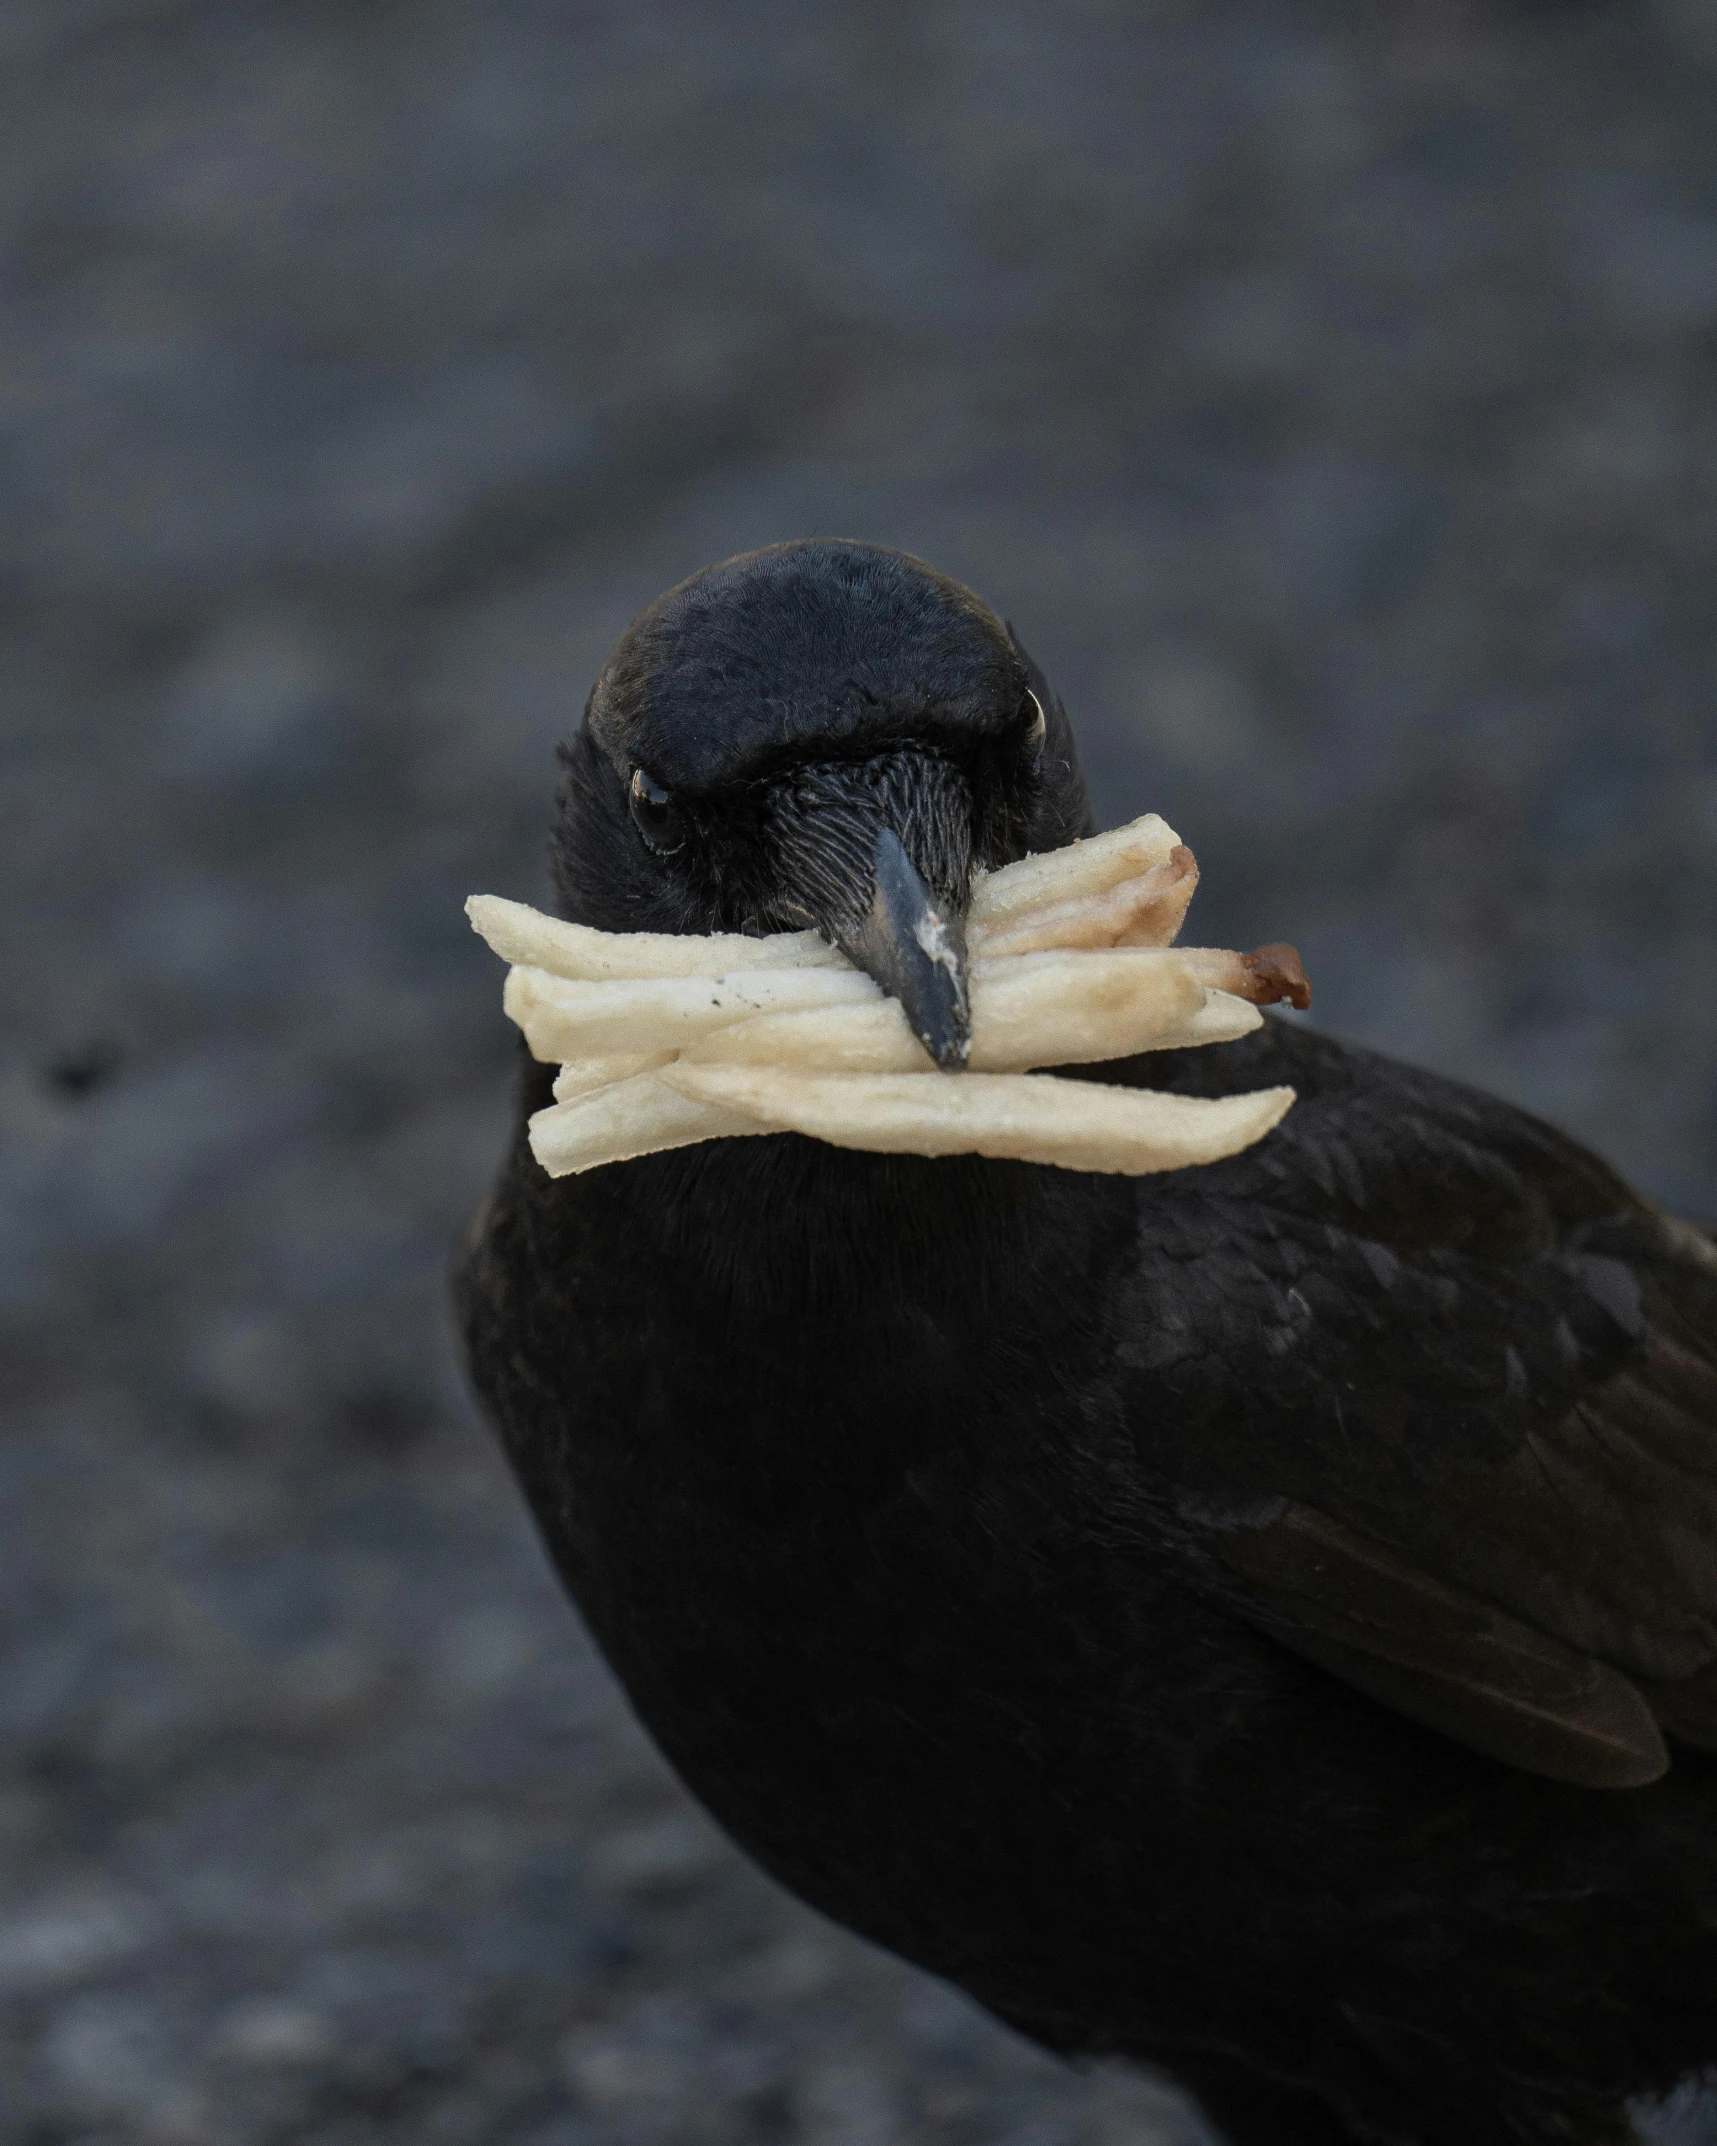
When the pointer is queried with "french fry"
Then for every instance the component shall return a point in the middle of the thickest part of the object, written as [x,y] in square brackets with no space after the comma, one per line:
[1222,1018]
[828,1039]
[1147,850]
[1033,1010]
[578,1076]
[1029,1117]
[566,1020]
[634,1117]
[528,939]
[665,1041]
[1073,1008]
[1063,875]
[1146,910]
[1266,976]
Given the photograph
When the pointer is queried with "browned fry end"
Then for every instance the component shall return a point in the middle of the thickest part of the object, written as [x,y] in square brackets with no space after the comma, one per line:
[1275,973]
[1179,861]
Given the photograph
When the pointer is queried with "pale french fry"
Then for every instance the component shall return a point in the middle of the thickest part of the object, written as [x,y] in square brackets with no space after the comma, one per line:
[565,1020]
[528,939]
[1033,1010]
[634,1117]
[1221,1019]
[578,1076]
[1146,910]
[1129,875]
[667,1041]
[1064,875]
[1074,1008]
[828,1039]
[1030,1117]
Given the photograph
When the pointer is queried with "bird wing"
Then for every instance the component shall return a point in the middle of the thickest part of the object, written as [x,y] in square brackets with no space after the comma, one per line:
[1437,1395]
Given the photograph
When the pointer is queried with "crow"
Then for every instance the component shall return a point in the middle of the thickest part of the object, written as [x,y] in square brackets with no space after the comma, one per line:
[1236,1620]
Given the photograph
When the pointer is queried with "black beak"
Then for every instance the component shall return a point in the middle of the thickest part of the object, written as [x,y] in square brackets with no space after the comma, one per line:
[915,947]
[877,854]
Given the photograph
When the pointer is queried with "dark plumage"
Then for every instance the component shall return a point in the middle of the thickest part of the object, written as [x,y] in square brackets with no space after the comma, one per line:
[1193,1613]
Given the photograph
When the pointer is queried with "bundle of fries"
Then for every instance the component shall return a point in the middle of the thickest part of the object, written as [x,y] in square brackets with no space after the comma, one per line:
[663,1040]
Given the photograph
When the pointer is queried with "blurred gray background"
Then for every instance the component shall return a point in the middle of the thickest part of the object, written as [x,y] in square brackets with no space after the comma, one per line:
[1327,392]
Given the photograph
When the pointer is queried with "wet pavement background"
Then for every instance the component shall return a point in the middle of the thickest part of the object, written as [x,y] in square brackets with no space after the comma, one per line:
[1329,394]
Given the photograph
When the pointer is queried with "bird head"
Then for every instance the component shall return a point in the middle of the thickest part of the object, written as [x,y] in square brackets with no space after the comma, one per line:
[822,734]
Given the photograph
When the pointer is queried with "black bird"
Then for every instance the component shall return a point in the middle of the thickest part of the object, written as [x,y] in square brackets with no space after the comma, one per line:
[1231,1619]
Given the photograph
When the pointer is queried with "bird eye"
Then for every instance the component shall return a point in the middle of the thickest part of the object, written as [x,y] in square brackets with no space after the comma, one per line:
[1034,725]
[657,815]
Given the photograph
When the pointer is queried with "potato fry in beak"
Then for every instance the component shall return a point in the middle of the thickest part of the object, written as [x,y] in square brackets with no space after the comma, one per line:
[1144,911]
[1065,875]
[664,1041]
[578,1076]
[1027,1117]
[1071,1009]
[1222,1018]
[1266,976]
[1039,1009]
[528,939]
[565,1020]
[828,1039]
[641,1116]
